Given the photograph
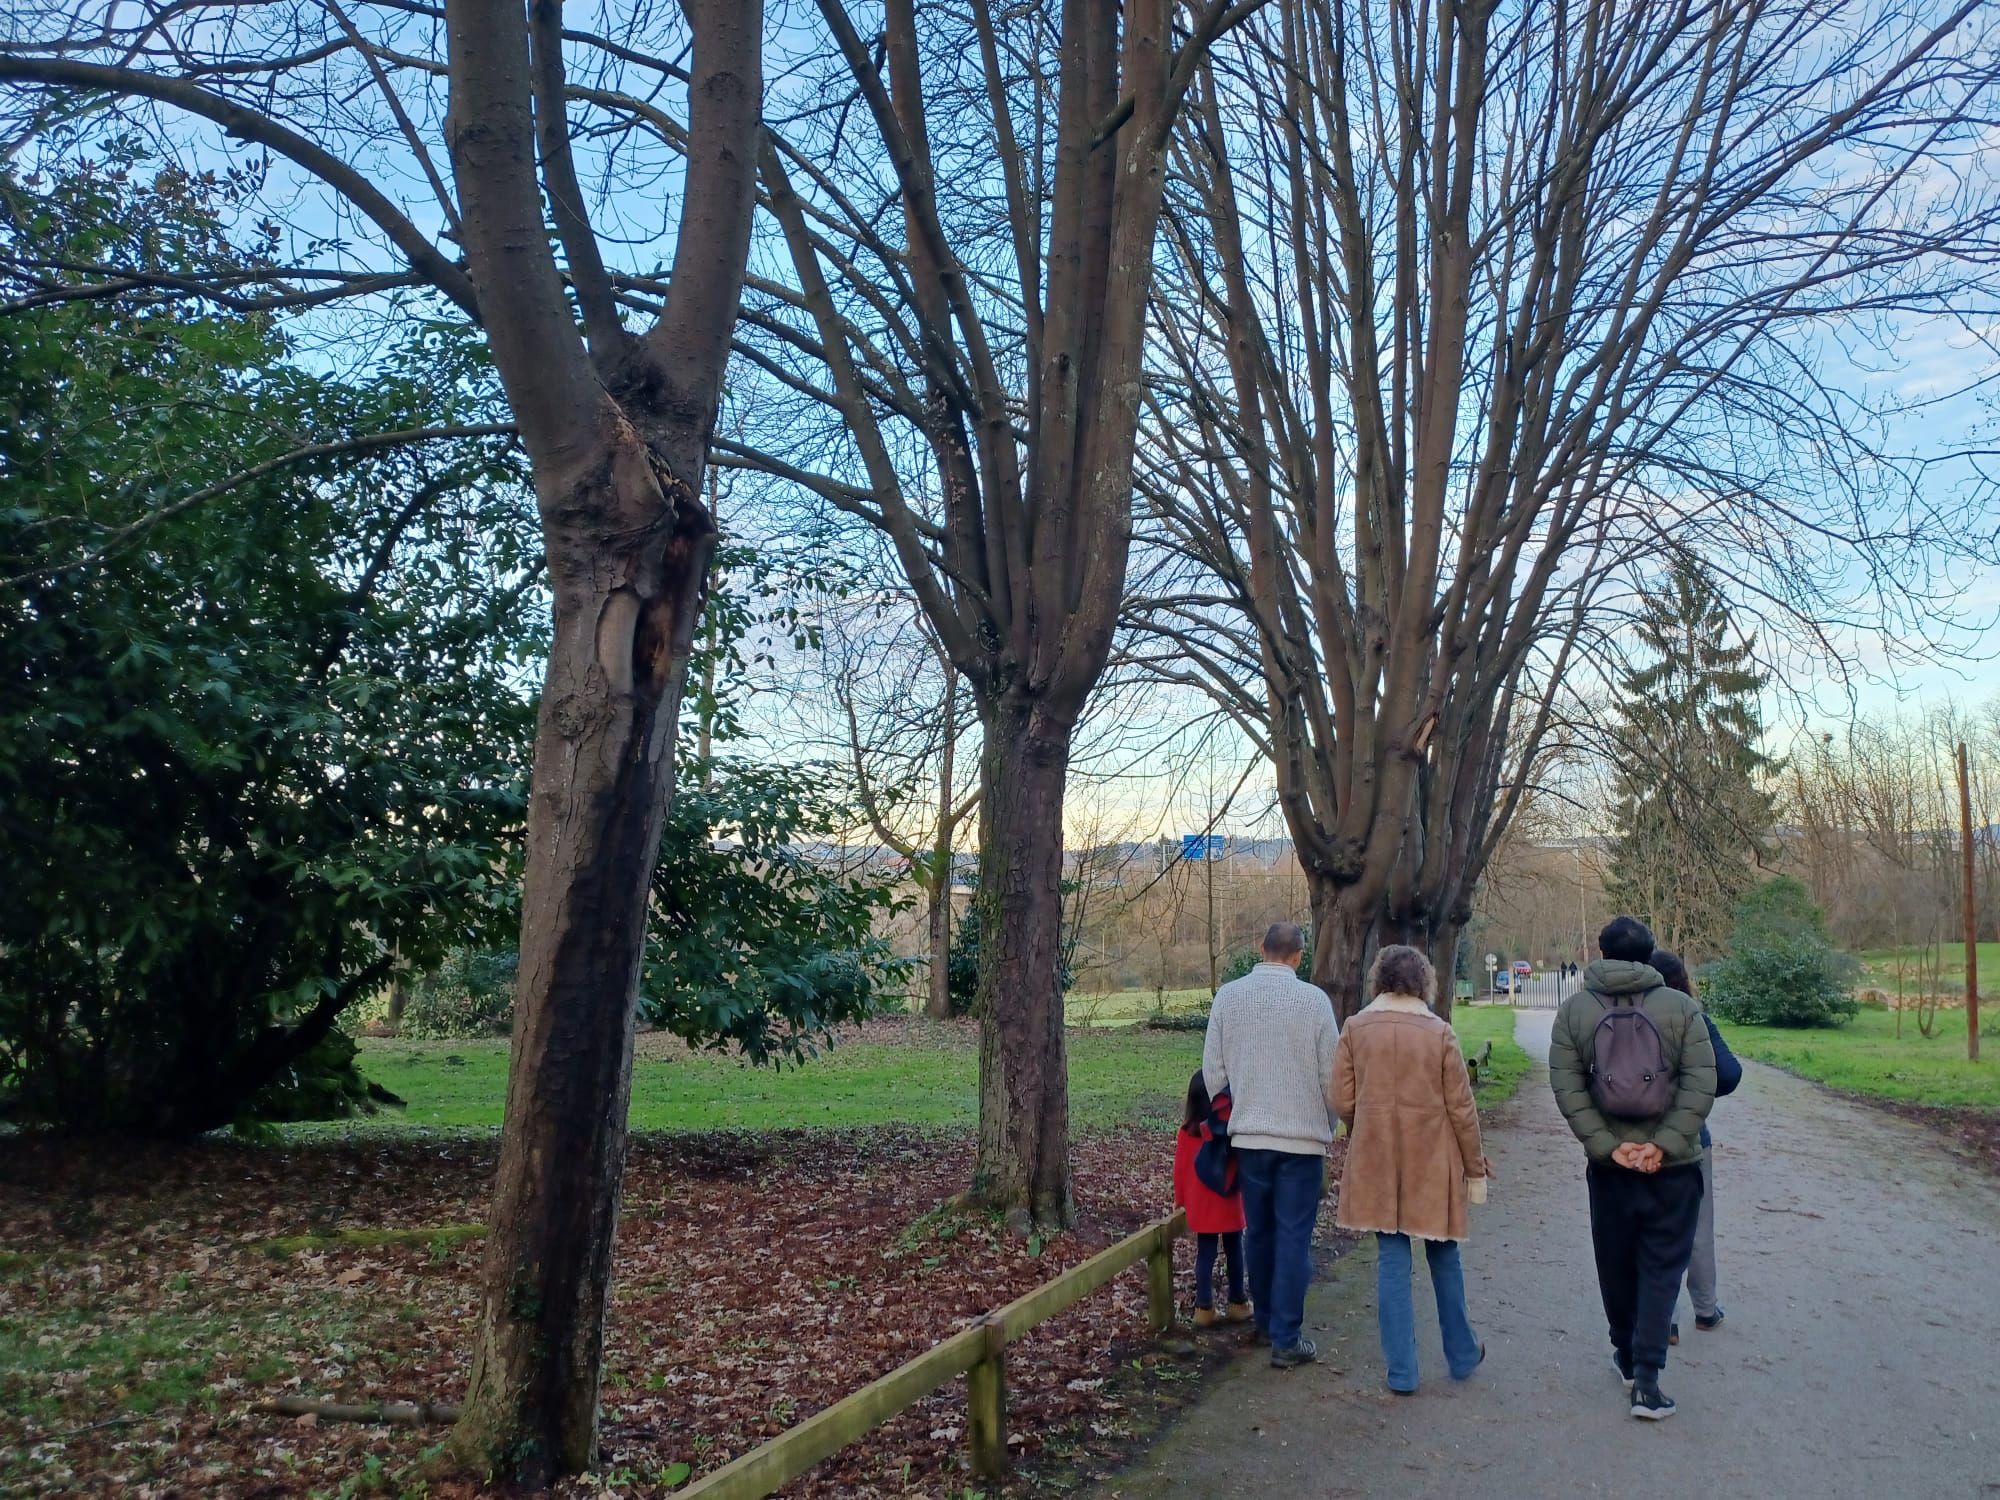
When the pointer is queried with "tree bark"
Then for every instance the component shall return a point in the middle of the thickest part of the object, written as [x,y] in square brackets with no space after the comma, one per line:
[1023,1161]
[604,768]
[1443,950]
[939,888]
[618,437]
[937,1003]
[1343,942]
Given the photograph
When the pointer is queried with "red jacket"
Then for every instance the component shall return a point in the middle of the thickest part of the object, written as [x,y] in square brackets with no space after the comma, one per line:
[1208,1211]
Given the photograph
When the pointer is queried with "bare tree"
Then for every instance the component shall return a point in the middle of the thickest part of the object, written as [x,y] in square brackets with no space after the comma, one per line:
[1501,302]
[984,369]
[903,715]
[616,423]
[1871,817]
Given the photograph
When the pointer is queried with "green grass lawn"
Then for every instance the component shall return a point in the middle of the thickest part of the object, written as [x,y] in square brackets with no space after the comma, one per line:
[1117,1077]
[1866,1056]
[1879,967]
[1125,1007]
[1479,1024]
[1118,1074]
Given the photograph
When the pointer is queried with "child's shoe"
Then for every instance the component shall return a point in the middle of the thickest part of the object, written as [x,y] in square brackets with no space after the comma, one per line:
[1239,1312]
[1204,1317]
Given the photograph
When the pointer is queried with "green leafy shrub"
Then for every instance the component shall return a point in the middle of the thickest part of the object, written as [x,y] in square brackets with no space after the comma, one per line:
[254,747]
[962,971]
[470,994]
[759,941]
[1781,968]
[322,1083]
[1243,960]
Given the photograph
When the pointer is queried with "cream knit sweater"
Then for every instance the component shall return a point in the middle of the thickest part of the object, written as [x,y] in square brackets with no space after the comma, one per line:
[1270,1042]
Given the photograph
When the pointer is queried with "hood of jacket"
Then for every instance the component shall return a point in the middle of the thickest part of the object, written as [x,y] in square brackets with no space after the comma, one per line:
[1620,976]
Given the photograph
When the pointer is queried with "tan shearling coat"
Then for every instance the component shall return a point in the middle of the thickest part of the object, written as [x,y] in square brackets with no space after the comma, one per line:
[1401,1088]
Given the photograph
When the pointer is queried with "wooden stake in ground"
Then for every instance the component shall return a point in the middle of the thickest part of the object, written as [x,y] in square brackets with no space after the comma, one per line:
[1971,906]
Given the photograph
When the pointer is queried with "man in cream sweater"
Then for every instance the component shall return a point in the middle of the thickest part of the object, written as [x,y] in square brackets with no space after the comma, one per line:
[1270,1043]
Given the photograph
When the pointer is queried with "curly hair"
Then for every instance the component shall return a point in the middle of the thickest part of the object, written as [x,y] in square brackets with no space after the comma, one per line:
[1399,970]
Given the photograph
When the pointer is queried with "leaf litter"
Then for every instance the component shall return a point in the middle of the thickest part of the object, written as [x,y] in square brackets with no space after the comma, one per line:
[758,1279]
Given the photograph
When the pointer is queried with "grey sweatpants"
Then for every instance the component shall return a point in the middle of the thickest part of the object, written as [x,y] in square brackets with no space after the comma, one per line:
[1701,1269]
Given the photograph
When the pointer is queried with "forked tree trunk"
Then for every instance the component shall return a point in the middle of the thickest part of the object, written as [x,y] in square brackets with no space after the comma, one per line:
[618,436]
[1023,1163]
[604,766]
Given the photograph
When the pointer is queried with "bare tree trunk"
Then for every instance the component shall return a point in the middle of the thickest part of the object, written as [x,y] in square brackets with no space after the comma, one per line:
[604,766]
[1023,576]
[941,842]
[625,608]
[399,1001]
[937,891]
[1443,949]
[1023,1163]
[618,437]
[1345,934]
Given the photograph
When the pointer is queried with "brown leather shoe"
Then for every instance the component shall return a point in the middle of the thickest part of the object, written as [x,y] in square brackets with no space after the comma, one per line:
[1239,1312]
[1204,1317]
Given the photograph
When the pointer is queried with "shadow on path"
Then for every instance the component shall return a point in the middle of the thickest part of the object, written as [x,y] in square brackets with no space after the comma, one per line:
[1860,1270]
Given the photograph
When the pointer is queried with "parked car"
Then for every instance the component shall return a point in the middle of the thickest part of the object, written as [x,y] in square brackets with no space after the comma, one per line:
[1523,967]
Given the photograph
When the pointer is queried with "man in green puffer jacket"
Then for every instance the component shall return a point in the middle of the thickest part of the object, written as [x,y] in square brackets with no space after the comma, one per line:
[1644,1175]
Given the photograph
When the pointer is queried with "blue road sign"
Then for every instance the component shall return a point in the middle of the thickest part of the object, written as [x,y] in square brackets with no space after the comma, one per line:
[1192,845]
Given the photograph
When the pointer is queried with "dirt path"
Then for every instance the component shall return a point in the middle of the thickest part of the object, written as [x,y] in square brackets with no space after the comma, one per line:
[1860,1269]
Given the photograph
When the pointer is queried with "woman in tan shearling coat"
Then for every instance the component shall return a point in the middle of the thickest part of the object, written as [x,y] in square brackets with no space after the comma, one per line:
[1414,1157]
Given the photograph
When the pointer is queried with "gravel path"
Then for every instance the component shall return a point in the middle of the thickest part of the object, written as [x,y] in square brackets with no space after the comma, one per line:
[1860,1270]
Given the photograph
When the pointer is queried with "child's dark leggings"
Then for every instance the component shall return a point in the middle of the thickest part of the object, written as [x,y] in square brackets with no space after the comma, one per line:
[1205,1246]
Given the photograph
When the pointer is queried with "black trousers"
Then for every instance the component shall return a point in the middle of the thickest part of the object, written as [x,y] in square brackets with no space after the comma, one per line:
[1642,1228]
[1205,1246]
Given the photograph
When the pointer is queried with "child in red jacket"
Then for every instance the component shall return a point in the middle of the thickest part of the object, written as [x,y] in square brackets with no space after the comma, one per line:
[1215,1219]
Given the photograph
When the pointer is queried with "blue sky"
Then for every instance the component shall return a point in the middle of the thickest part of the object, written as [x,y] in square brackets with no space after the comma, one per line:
[1933,362]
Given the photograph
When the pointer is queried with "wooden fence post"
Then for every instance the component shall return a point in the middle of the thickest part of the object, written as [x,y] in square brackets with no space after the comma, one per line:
[986,1406]
[1160,1284]
[978,1351]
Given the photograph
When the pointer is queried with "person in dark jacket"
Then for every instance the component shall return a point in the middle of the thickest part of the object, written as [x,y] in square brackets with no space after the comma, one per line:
[1644,1176]
[1728,1073]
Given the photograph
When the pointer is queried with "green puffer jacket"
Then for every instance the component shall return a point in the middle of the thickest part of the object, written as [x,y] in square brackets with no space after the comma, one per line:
[1572,1046]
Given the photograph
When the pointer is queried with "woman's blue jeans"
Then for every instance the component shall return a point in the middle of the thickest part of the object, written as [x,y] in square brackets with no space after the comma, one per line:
[1397,1312]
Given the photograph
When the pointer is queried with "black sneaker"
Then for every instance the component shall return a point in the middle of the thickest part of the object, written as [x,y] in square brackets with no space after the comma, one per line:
[1650,1402]
[1304,1352]
[1708,1325]
[1624,1368]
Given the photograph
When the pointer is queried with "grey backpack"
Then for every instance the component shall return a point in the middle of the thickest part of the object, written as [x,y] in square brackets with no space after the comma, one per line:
[1630,1077]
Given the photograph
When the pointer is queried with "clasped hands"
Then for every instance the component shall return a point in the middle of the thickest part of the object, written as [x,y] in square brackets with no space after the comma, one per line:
[1639,1156]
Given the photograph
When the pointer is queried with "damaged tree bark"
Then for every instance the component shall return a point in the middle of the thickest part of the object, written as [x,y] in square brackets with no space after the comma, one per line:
[618,433]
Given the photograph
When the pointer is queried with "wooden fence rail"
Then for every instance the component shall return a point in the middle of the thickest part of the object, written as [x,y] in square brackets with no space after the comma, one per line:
[979,1353]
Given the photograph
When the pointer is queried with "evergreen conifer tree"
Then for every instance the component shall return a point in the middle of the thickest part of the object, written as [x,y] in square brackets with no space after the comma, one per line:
[1694,818]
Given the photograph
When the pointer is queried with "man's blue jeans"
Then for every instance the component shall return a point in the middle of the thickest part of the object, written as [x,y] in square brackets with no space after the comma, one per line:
[1281,1205]
[1396,1311]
